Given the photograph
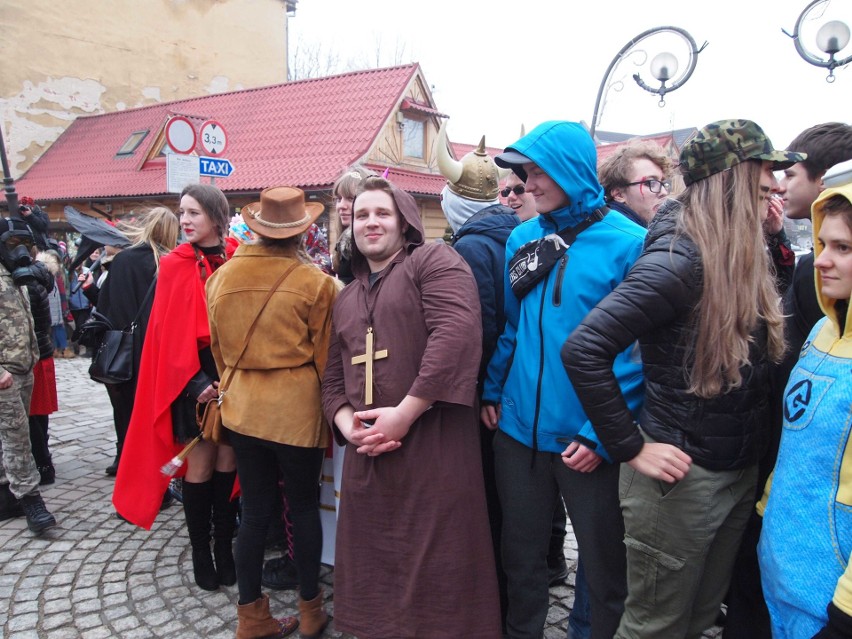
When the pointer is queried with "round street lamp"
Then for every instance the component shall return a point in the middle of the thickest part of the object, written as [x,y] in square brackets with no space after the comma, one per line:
[831,38]
[664,67]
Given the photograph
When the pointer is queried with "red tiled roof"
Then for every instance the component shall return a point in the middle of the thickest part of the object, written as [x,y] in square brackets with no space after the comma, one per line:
[460,150]
[299,133]
[412,181]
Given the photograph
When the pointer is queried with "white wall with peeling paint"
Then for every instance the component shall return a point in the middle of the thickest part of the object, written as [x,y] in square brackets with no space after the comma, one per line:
[96,56]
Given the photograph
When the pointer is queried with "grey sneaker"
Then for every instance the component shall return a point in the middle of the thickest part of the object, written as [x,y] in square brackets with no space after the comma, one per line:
[38,517]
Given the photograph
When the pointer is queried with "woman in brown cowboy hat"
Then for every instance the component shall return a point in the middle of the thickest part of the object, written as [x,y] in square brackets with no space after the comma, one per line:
[270,320]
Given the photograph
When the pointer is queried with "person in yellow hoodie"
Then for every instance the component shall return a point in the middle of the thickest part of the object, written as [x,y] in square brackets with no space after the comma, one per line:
[806,541]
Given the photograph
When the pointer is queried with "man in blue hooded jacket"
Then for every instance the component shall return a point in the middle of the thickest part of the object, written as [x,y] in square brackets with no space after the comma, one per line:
[545,441]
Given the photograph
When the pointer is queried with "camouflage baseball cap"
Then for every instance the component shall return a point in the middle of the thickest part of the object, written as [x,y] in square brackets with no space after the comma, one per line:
[724,144]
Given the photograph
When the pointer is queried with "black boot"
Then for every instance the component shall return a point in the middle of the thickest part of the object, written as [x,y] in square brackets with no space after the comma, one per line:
[197,506]
[224,522]
[10,507]
[112,469]
[280,574]
[41,452]
[47,474]
[38,518]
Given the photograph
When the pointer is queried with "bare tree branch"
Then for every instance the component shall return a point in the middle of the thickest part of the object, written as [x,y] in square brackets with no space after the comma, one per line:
[313,60]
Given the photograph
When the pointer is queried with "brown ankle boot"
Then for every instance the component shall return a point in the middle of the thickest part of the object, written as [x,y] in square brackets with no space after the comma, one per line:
[312,618]
[255,622]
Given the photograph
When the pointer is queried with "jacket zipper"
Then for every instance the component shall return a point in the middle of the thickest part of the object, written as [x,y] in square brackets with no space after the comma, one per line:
[560,274]
[540,368]
[540,356]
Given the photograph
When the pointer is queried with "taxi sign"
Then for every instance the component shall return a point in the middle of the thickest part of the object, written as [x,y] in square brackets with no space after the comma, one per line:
[215,167]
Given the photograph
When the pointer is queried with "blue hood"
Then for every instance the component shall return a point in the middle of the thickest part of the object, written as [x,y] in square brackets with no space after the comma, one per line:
[566,152]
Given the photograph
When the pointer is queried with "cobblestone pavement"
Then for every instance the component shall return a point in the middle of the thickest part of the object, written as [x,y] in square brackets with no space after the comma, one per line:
[95,576]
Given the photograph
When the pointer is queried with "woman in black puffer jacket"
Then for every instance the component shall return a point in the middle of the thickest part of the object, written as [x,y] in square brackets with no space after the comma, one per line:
[44,400]
[702,304]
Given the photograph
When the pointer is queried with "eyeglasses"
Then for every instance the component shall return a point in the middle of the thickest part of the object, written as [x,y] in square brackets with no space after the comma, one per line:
[654,186]
[518,189]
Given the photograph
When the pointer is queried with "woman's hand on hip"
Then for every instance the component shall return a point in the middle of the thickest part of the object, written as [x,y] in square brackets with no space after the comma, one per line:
[662,461]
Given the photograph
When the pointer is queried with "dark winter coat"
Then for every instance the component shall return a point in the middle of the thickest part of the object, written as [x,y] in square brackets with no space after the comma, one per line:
[481,241]
[801,306]
[655,305]
[627,212]
[130,274]
[38,291]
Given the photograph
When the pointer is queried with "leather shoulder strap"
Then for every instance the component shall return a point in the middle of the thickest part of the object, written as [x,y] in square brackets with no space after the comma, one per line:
[269,295]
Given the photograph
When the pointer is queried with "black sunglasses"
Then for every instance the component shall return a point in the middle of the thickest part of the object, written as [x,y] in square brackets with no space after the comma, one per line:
[518,189]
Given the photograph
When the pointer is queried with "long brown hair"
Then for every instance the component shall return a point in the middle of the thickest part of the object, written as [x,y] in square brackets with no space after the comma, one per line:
[721,215]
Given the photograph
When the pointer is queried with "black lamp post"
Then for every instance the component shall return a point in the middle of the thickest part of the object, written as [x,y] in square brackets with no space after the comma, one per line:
[663,67]
[8,182]
[831,38]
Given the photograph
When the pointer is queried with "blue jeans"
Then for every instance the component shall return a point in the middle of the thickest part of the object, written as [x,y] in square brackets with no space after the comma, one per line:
[60,339]
[580,619]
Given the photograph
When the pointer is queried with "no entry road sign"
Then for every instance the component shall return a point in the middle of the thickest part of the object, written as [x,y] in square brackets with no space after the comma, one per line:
[180,135]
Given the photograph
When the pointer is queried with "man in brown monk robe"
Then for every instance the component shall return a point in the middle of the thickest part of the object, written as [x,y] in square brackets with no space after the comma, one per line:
[412,556]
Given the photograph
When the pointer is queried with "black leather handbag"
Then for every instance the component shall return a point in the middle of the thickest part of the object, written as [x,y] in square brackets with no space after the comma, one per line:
[92,331]
[113,361]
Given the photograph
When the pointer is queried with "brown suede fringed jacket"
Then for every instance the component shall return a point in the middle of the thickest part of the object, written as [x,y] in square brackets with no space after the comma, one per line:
[275,392]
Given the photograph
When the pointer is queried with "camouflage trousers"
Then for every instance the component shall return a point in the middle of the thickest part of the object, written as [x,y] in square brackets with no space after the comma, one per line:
[18,468]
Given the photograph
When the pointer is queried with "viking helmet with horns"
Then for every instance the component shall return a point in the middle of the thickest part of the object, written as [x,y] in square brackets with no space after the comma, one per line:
[475,176]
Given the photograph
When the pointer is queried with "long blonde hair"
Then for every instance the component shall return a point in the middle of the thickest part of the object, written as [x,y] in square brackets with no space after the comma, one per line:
[157,227]
[721,215]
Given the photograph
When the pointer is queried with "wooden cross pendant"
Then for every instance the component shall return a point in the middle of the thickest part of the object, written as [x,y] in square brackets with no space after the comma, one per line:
[367,359]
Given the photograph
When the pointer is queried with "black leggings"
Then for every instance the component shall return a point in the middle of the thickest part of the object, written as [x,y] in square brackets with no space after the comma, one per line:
[258,464]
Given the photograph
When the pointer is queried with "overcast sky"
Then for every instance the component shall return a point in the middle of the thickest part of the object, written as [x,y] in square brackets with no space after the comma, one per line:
[496,64]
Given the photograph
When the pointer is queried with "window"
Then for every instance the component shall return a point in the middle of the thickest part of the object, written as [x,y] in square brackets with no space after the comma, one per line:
[412,138]
[132,143]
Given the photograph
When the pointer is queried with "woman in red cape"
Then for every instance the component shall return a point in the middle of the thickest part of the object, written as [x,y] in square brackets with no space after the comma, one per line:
[177,371]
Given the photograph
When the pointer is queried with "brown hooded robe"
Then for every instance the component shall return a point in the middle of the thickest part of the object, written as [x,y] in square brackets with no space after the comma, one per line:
[414,556]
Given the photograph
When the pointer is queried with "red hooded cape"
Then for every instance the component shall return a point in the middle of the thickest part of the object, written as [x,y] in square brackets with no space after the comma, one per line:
[177,330]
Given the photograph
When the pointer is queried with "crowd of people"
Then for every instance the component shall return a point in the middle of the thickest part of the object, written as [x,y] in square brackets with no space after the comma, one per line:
[629,344]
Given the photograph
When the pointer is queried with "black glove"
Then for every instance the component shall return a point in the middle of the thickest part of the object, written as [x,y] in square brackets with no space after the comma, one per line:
[839,625]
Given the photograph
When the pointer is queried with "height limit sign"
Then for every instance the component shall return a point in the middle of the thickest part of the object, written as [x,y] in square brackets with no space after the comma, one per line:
[213,137]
